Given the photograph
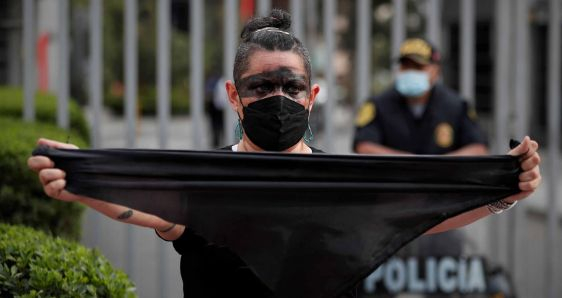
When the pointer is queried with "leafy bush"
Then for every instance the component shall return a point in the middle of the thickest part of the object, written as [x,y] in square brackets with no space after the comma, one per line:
[179,100]
[22,200]
[11,105]
[33,264]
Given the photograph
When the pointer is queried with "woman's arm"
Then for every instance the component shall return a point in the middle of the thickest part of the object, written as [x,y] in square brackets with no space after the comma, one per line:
[53,181]
[529,180]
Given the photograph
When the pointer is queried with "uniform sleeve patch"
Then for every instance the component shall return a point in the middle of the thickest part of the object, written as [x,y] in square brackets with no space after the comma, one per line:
[444,135]
[366,114]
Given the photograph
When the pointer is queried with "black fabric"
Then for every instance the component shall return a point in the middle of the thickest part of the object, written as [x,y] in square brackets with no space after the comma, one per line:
[308,225]
[205,265]
[395,126]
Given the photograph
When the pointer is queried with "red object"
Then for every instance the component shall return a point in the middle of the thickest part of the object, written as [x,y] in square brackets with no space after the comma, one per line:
[43,61]
[247,8]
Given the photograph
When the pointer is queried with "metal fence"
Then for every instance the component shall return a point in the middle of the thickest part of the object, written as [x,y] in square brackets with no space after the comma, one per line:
[511,90]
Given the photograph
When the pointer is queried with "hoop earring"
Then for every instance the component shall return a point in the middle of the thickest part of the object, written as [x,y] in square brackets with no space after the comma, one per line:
[308,135]
[238,131]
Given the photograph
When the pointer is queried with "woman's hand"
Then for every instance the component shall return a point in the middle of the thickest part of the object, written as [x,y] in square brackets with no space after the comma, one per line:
[52,178]
[530,178]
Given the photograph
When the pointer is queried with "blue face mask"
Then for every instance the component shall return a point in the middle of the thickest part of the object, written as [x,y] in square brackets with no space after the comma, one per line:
[412,83]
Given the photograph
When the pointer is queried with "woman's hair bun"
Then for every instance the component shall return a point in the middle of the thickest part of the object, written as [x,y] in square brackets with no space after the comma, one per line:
[278,18]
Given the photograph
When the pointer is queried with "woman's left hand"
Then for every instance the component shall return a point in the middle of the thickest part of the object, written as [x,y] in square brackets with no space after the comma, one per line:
[530,178]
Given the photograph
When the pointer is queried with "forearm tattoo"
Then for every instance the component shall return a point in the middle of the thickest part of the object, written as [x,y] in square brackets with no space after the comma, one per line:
[125,215]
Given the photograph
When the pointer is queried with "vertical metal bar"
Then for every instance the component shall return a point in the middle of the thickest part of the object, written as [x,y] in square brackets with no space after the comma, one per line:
[502,73]
[264,7]
[96,87]
[63,85]
[131,80]
[330,43]
[517,222]
[29,73]
[196,76]
[96,64]
[521,95]
[501,110]
[554,98]
[297,13]
[311,24]
[229,52]
[468,45]
[163,70]
[131,64]
[398,30]
[363,56]
[163,105]
[433,30]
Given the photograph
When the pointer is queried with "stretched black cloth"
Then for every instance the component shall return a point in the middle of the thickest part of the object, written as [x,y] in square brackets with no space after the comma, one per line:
[308,225]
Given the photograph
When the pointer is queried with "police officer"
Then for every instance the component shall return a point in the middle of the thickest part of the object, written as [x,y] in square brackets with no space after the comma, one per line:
[418,115]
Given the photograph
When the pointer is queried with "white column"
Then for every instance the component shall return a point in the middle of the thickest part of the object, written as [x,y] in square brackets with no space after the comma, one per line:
[297,17]
[96,66]
[131,73]
[163,111]
[29,72]
[517,227]
[329,71]
[264,7]
[502,74]
[363,56]
[229,53]
[554,97]
[131,83]
[196,77]
[163,70]
[433,18]
[398,30]
[63,83]
[468,45]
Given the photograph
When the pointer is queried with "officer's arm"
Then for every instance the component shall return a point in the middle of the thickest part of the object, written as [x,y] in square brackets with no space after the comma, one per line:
[471,137]
[368,133]
[374,148]
[470,149]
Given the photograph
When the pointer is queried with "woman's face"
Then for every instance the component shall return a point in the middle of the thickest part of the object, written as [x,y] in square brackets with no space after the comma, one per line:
[272,73]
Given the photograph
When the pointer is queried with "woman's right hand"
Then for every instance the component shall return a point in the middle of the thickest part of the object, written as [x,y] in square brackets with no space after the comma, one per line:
[52,178]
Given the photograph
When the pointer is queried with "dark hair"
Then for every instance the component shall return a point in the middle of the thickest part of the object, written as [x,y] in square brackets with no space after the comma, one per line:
[274,36]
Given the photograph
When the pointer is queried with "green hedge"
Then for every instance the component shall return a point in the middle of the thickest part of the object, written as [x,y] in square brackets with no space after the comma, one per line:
[11,105]
[22,200]
[33,264]
[147,104]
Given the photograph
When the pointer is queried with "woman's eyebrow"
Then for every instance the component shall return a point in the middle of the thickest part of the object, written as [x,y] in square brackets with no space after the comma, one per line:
[275,75]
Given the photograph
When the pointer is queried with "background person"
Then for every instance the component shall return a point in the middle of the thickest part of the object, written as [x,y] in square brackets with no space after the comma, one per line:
[418,115]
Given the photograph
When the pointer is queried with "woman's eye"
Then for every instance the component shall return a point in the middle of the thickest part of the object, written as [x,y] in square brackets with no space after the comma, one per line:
[293,90]
[263,89]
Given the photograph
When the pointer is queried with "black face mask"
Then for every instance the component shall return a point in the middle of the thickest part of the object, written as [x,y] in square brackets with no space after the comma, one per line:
[275,123]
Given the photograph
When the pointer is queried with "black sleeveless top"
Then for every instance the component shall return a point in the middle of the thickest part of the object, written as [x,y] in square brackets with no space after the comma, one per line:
[208,270]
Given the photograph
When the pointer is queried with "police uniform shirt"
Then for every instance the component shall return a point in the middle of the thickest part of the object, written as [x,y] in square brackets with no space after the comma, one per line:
[447,124]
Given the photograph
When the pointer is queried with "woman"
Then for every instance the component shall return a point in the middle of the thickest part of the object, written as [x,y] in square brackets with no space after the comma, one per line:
[273,98]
